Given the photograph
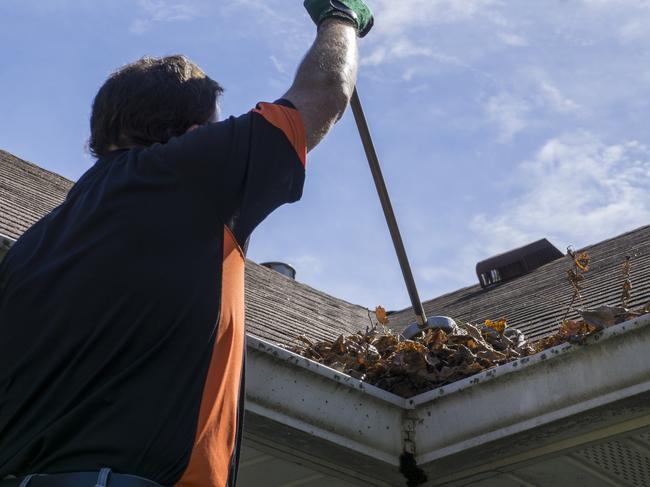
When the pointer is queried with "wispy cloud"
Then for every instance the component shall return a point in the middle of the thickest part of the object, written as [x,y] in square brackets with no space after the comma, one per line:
[279,66]
[530,97]
[158,11]
[509,113]
[514,40]
[617,3]
[400,17]
[555,98]
[576,190]
[264,11]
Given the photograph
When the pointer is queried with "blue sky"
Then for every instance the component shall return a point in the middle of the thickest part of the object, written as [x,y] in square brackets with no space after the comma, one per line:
[497,122]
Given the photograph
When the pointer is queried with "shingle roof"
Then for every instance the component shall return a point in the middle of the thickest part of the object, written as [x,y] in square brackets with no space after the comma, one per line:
[277,308]
[27,192]
[537,301]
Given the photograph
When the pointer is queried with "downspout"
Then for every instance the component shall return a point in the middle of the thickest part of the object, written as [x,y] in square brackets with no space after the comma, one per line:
[407,465]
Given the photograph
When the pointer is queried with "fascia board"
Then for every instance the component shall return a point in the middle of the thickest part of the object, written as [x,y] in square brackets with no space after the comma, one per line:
[319,401]
[282,354]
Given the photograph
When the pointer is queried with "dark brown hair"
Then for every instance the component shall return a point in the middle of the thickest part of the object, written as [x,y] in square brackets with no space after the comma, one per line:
[149,101]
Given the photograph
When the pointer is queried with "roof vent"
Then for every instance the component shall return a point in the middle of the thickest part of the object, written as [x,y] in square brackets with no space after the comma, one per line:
[516,263]
[282,268]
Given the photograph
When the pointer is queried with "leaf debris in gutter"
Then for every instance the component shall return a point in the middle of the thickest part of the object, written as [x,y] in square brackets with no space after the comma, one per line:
[436,358]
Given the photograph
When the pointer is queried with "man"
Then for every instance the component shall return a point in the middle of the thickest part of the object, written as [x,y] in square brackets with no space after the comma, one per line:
[121,312]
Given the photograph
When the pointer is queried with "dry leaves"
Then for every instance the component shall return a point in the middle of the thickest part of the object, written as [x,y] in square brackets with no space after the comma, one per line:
[380,313]
[436,358]
[498,325]
[627,284]
[409,367]
[581,260]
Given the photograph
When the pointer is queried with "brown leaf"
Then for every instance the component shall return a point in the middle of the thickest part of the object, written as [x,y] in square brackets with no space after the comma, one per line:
[435,358]
[339,345]
[491,355]
[498,325]
[582,261]
[575,328]
[603,316]
[380,313]
[435,339]
[473,331]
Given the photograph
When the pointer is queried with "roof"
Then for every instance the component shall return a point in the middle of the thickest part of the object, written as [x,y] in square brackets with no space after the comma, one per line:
[27,193]
[277,308]
[536,302]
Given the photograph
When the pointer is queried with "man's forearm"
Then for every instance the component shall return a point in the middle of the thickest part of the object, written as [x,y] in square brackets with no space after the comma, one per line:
[325,79]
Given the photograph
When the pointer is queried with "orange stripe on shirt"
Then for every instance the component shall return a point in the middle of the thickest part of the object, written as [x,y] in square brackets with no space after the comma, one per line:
[216,433]
[288,120]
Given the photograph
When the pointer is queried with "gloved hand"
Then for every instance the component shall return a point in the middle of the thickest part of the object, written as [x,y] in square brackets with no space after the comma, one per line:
[355,11]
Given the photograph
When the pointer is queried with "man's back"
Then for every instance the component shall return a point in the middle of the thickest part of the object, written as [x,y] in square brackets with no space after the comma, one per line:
[118,303]
[130,343]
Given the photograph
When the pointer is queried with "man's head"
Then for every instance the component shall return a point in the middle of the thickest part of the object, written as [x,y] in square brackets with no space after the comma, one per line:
[149,101]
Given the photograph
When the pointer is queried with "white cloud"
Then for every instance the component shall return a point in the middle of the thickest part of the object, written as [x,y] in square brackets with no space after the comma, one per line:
[398,17]
[628,18]
[410,30]
[509,113]
[265,12]
[403,48]
[635,30]
[154,11]
[577,190]
[617,3]
[530,99]
[554,97]
[279,66]
[512,39]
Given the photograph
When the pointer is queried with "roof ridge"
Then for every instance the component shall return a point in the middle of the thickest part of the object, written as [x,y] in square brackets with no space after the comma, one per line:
[616,237]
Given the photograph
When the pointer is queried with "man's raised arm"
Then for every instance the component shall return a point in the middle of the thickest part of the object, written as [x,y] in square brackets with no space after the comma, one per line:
[326,77]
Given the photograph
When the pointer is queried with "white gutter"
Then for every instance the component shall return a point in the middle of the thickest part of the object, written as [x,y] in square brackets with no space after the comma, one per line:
[318,413]
[323,402]
[5,244]
[559,382]
[441,426]
[6,241]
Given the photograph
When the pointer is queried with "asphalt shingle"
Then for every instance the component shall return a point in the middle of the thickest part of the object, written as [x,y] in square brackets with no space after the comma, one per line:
[277,308]
[536,302]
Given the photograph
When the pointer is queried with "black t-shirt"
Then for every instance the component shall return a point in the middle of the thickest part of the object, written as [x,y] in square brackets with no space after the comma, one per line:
[121,311]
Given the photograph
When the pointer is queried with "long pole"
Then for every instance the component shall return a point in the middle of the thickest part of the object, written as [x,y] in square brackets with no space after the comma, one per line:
[373,161]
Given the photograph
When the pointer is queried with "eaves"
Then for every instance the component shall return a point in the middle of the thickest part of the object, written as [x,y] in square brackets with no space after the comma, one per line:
[564,396]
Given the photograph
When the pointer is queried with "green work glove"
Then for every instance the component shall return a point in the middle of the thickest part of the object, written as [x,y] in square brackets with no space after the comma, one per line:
[355,11]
